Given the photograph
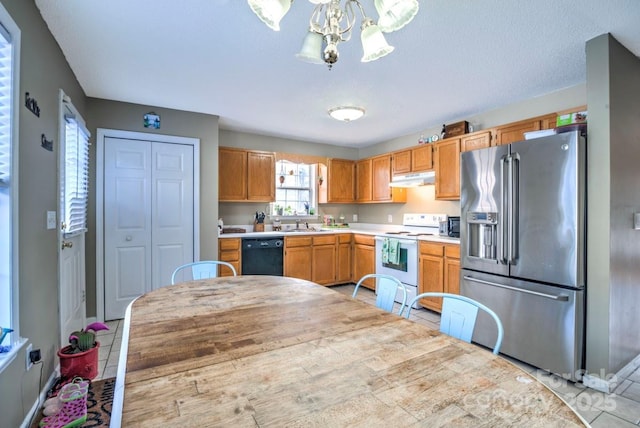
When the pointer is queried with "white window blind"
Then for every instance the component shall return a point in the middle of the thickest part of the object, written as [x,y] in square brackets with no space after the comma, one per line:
[5,108]
[76,175]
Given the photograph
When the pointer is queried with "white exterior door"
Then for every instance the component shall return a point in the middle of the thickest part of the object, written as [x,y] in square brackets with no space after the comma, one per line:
[148,217]
[71,239]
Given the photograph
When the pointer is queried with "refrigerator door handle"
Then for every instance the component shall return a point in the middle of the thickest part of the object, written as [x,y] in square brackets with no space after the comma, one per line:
[514,174]
[558,297]
[502,216]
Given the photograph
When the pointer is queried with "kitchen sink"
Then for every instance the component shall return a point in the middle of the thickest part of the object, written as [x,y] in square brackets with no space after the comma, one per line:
[311,229]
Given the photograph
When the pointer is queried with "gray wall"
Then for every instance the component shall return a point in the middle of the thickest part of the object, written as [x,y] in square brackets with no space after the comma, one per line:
[43,71]
[126,116]
[613,295]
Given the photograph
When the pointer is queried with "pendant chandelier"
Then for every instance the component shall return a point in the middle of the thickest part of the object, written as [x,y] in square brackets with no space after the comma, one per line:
[331,23]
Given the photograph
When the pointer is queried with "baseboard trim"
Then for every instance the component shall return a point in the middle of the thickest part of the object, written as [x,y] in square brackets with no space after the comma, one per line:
[41,398]
[609,383]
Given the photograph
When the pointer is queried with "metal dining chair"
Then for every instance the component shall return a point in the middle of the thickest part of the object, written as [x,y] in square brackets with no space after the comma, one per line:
[387,287]
[201,270]
[458,317]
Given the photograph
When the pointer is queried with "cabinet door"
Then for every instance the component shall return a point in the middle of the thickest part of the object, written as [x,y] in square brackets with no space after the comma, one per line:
[401,162]
[549,121]
[430,278]
[232,175]
[515,131]
[381,173]
[476,141]
[229,251]
[364,263]
[363,181]
[452,276]
[297,262]
[324,264]
[343,262]
[447,163]
[341,177]
[261,173]
[422,158]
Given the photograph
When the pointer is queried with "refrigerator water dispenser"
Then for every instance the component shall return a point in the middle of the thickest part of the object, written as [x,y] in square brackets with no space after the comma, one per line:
[482,235]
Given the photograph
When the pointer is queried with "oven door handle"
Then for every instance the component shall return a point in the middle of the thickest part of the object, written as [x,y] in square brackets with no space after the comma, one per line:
[402,241]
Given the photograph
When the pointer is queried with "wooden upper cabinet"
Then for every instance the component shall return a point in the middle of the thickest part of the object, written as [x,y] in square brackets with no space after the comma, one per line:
[232,174]
[261,172]
[477,140]
[373,178]
[363,181]
[416,159]
[515,131]
[401,162]
[422,158]
[381,175]
[549,121]
[340,181]
[246,175]
[447,165]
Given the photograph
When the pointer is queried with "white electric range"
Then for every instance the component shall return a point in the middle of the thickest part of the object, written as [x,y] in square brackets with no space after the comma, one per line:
[414,226]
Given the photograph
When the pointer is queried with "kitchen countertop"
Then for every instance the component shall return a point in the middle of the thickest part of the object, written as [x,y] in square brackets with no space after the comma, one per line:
[361,228]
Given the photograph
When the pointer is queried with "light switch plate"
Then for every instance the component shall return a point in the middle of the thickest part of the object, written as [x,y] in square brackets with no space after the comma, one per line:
[636,221]
[390,218]
[51,219]
[355,218]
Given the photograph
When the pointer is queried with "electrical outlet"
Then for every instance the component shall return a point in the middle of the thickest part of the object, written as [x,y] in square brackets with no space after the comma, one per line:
[28,356]
[390,218]
[355,218]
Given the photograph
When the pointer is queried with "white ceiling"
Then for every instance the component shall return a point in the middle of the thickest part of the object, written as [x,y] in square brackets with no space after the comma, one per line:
[457,58]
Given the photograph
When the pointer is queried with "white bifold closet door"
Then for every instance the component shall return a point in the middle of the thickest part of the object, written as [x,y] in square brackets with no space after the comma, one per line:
[148,217]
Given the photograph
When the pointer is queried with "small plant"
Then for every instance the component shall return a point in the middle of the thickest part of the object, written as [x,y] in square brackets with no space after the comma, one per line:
[84,339]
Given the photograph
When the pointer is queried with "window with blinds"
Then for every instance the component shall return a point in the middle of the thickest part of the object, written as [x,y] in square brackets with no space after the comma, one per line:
[9,86]
[76,175]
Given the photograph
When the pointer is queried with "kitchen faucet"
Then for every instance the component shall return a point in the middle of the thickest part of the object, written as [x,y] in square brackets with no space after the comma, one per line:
[297,223]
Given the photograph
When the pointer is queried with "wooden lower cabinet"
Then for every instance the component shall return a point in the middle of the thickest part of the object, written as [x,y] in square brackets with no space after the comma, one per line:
[364,259]
[344,261]
[323,259]
[229,251]
[439,271]
[298,256]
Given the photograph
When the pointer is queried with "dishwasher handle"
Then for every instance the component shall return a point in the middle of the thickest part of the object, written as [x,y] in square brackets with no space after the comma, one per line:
[557,297]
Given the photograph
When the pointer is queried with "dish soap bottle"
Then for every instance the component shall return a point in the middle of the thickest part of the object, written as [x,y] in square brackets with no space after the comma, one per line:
[220,226]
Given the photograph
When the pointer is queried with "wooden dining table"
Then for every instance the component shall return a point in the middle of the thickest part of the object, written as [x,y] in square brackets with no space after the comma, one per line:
[263,351]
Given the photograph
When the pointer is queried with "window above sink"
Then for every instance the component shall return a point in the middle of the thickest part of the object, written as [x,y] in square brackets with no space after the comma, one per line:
[296,190]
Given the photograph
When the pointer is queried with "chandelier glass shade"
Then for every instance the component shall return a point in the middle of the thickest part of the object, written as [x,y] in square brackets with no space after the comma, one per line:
[332,22]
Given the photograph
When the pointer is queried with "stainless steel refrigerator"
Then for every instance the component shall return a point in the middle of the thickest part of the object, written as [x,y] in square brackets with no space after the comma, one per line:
[523,252]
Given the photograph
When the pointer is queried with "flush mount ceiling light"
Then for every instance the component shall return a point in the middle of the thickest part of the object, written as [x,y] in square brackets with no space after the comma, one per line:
[346,113]
[331,23]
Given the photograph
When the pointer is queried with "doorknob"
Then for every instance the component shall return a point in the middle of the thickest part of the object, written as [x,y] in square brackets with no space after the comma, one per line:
[66,244]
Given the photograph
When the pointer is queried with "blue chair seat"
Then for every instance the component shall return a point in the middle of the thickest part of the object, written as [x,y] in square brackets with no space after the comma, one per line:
[387,287]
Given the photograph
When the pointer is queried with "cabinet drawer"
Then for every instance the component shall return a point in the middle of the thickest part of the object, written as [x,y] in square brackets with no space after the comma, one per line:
[297,241]
[324,240]
[229,244]
[432,249]
[452,251]
[364,240]
[230,256]
[344,238]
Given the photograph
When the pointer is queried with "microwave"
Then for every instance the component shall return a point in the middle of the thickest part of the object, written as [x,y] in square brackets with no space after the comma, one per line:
[450,227]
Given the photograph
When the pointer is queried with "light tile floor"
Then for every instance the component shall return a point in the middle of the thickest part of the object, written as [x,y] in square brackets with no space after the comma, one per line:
[620,409]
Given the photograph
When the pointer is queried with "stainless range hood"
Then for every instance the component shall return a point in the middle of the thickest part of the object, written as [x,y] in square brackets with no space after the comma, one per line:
[413,180]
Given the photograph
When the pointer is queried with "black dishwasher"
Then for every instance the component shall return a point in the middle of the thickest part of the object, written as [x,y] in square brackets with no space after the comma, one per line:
[262,256]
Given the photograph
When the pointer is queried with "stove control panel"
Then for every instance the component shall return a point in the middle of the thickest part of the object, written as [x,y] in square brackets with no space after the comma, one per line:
[424,219]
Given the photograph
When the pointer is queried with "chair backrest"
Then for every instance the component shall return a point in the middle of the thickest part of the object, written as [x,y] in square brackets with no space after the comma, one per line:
[201,270]
[387,288]
[459,314]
